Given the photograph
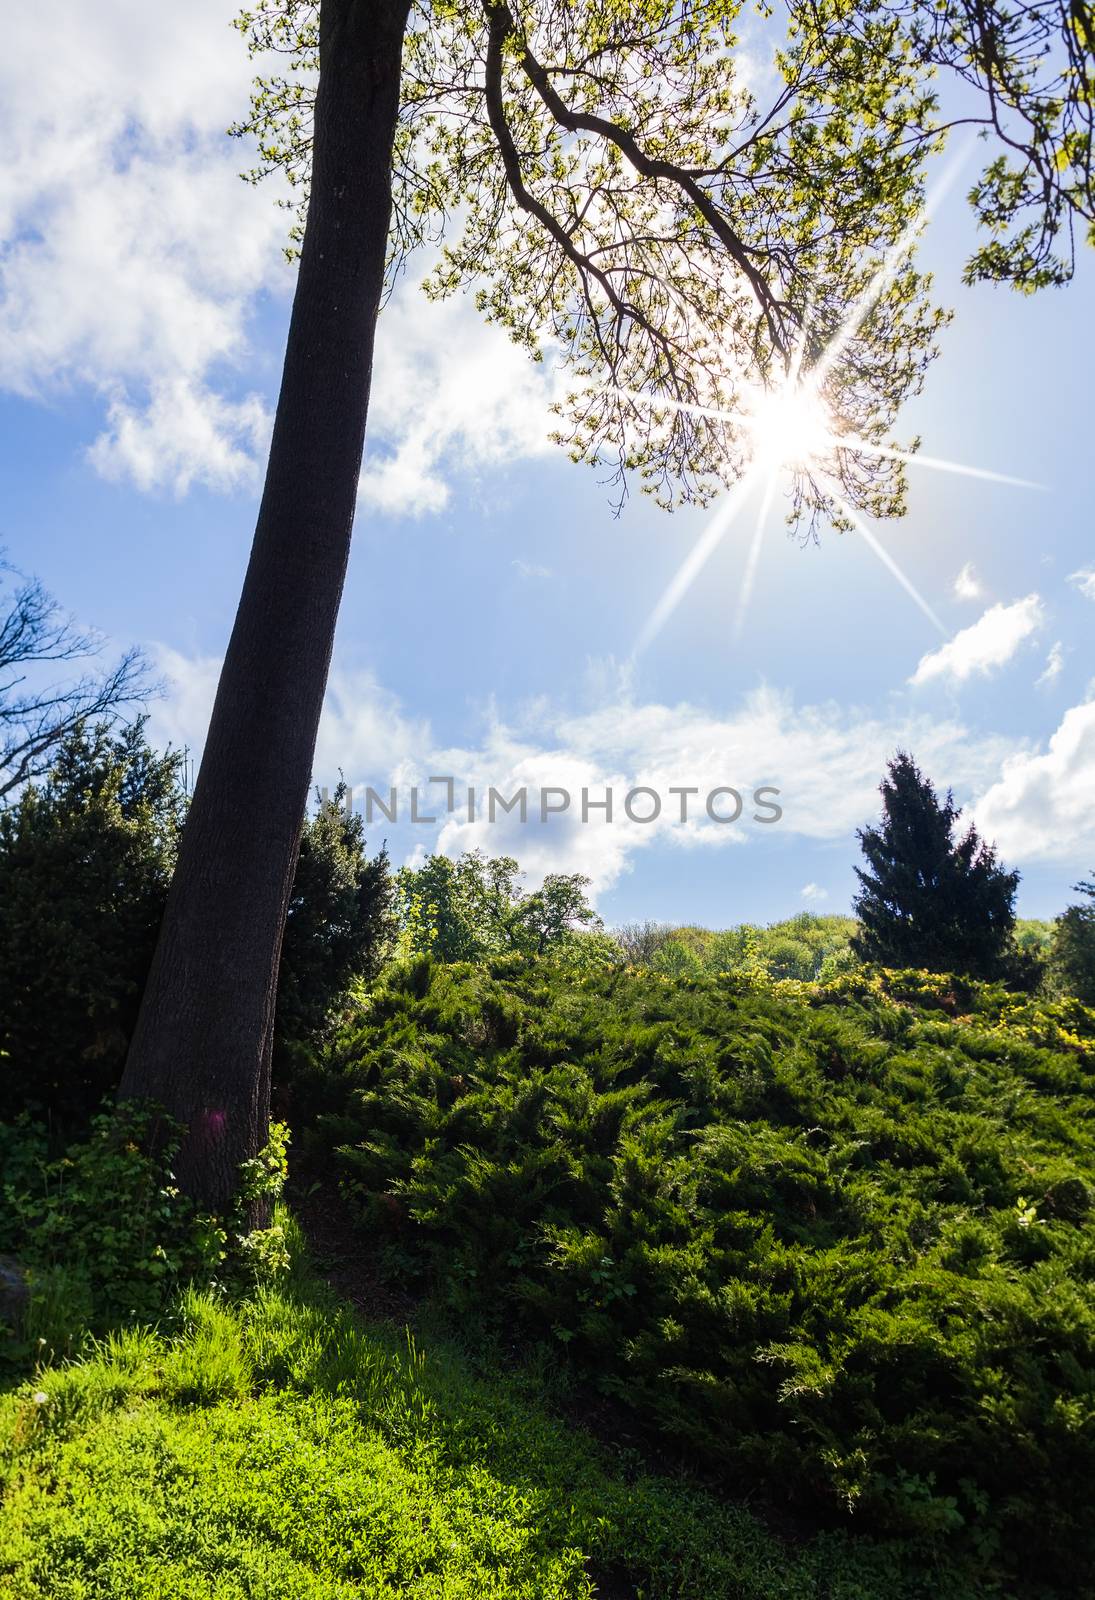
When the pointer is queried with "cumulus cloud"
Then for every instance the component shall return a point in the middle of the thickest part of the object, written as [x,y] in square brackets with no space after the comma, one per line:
[449,394]
[365,732]
[825,760]
[133,259]
[1084,580]
[1042,807]
[814,891]
[967,585]
[364,729]
[986,645]
[130,252]
[181,716]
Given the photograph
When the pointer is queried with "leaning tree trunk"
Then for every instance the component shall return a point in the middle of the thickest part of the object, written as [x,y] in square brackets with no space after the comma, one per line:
[203,1039]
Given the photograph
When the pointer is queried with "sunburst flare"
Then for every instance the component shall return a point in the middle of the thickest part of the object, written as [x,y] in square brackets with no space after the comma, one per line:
[790,427]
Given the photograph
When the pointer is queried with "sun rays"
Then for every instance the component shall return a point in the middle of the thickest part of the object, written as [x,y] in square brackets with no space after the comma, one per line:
[694,562]
[791,428]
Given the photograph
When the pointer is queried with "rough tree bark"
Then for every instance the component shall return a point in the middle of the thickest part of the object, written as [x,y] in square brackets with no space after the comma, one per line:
[202,1044]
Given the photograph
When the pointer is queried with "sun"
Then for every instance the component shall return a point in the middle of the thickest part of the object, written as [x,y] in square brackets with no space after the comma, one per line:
[790,427]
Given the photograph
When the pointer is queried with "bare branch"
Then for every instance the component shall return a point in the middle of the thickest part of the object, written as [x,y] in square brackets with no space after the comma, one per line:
[35,632]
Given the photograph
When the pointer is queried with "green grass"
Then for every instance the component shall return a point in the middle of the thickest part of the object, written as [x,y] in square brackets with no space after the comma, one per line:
[280,1450]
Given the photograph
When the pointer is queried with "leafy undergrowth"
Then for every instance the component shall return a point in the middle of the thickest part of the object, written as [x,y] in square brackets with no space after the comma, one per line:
[279,1448]
[835,1240]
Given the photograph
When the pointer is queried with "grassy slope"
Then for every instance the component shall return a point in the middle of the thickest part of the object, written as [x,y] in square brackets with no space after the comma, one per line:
[280,1448]
[838,1242]
[282,1451]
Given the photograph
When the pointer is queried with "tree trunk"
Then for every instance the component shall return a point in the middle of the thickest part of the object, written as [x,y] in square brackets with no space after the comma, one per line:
[202,1044]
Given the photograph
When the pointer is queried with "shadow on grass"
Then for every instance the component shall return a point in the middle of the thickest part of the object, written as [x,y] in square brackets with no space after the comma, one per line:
[283,1435]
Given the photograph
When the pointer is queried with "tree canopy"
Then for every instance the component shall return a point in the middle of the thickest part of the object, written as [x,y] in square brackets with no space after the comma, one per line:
[86,856]
[688,200]
[339,925]
[1073,955]
[475,905]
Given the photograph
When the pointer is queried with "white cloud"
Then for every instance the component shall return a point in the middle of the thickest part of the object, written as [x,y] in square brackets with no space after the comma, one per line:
[181,716]
[1054,666]
[404,483]
[531,569]
[967,585]
[132,259]
[600,850]
[814,891]
[987,644]
[1084,580]
[449,393]
[826,761]
[364,729]
[130,252]
[184,433]
[365,732]
[1043,804]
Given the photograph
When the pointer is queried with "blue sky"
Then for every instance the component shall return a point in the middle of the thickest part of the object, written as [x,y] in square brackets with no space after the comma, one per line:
[494,601]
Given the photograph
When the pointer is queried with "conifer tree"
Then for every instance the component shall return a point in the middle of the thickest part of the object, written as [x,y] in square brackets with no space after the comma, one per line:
[928,898]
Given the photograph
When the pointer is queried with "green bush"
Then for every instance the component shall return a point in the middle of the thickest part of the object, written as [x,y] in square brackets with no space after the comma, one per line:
[86,858]
[835,1239]
[103,1237]
[101,1232]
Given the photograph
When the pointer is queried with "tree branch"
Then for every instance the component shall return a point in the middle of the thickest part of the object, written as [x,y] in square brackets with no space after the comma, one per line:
[503,28]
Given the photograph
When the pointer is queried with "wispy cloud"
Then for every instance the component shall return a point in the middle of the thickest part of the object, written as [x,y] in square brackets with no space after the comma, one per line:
[1054,666]
[181,716]
[531,569]
[184,433]
[826,761]
[1084,580]
[986,645]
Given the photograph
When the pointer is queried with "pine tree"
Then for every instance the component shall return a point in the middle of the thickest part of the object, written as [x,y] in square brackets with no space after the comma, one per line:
[929,899]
